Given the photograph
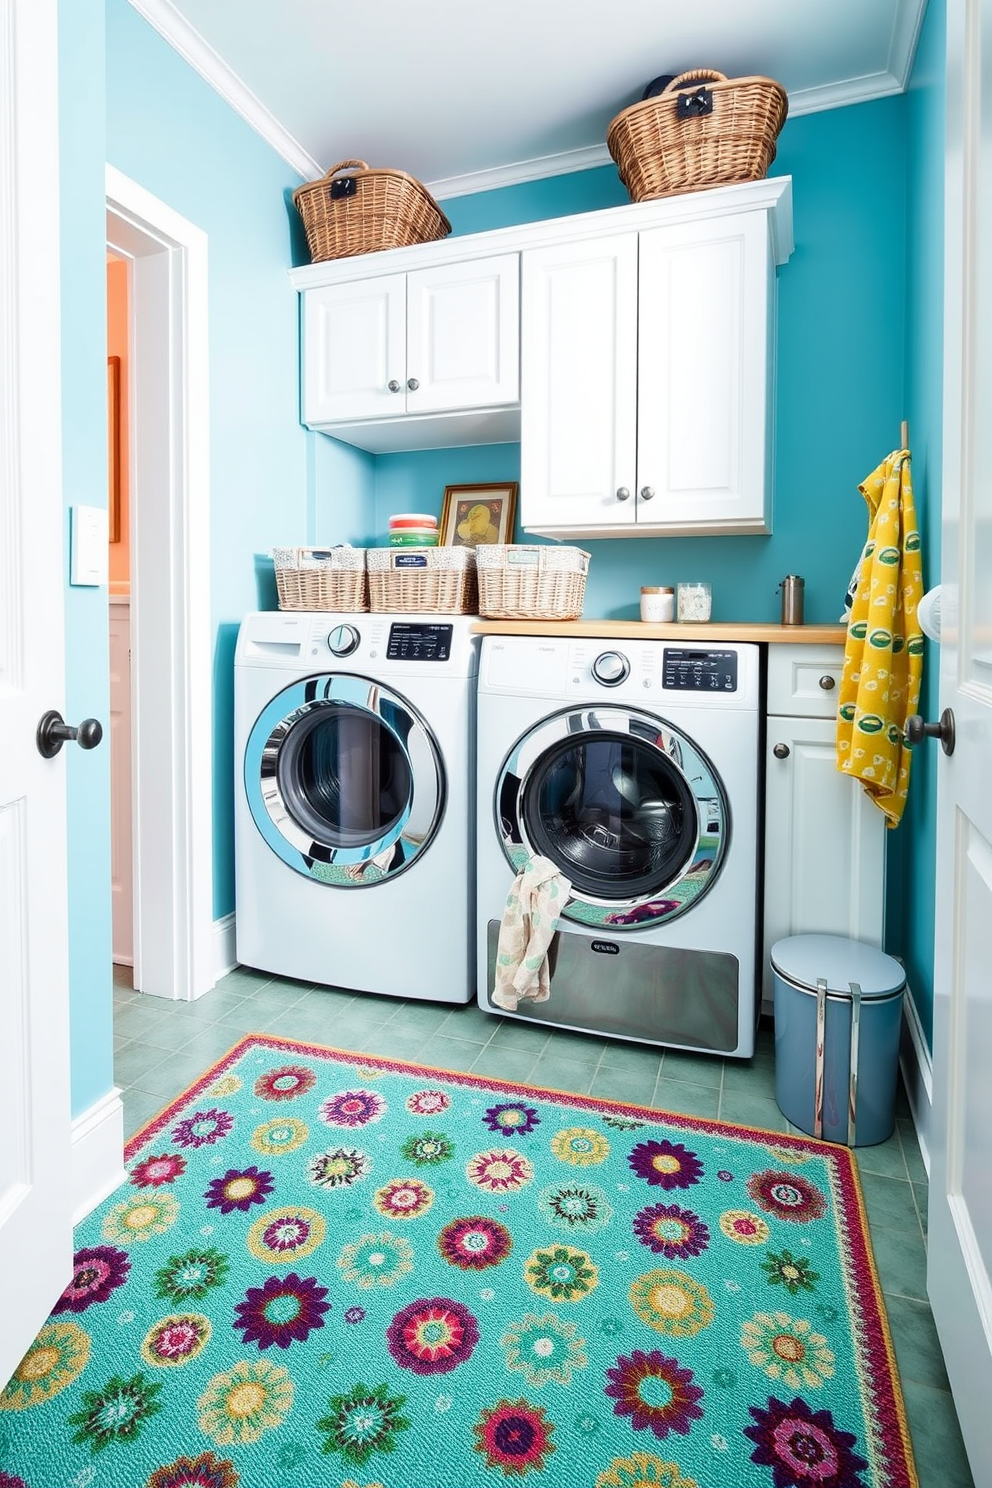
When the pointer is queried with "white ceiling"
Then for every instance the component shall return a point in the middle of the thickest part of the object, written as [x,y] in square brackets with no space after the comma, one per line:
[467,95]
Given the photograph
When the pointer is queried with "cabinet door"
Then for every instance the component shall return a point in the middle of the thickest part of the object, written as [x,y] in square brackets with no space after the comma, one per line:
[824,841]
[578,383]
[354,346]
[463,335]
[705,326]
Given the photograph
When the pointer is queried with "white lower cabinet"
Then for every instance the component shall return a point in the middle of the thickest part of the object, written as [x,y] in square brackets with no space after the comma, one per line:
[824,839]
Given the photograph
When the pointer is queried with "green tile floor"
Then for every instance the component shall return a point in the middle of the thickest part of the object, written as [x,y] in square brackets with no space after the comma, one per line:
[161,1047]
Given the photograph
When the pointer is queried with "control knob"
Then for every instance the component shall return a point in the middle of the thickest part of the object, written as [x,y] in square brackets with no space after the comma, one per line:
[611,668]
[343,640]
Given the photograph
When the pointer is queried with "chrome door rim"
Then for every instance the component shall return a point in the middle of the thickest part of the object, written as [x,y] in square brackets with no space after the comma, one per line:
[703,864]
[345,866]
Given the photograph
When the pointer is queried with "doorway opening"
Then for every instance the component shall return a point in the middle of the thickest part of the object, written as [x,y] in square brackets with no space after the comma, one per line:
[168,576]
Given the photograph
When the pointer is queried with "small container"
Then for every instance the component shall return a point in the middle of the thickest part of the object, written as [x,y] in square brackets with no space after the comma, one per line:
[694,603]
[792,587]
[657,606]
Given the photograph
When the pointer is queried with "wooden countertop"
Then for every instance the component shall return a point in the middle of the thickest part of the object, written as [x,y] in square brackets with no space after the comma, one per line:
[636,630]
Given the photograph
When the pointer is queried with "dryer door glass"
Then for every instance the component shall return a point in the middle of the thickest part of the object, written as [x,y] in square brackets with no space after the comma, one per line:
[344,776]
[627,807]
[344,780]
[613,812]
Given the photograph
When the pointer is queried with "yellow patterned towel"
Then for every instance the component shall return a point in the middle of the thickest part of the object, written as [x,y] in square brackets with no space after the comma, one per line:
[883,653]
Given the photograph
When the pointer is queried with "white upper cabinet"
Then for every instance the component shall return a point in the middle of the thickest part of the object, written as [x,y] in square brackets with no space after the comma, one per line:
[380,354]
[637,358]
[646,374]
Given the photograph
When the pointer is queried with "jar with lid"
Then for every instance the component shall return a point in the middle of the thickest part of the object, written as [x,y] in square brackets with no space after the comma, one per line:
[657,605]
[694,602]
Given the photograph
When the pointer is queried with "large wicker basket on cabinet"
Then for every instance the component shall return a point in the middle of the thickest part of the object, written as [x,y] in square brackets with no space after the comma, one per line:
[353,209]
[686,139]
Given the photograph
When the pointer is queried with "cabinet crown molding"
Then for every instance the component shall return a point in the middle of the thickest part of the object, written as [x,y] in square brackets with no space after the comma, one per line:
[773,195]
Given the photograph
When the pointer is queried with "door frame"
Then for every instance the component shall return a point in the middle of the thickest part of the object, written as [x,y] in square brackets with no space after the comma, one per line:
[169,455]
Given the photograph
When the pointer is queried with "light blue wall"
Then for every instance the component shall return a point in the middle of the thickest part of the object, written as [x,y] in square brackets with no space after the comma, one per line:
[271,482]
[912,861]
[840,375]
[84,459]
[841,395]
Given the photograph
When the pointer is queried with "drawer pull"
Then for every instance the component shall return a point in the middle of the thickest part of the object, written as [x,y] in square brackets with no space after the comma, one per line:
[828,683]
[781,751]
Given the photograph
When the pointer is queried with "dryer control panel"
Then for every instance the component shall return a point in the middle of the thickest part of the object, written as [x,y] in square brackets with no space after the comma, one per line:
[699,671]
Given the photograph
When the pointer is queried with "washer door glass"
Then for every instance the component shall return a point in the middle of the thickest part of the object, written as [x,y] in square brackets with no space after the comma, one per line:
[344,780]
[627,808]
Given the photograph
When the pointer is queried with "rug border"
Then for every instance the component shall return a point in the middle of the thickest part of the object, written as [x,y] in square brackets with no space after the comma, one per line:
[841,1164]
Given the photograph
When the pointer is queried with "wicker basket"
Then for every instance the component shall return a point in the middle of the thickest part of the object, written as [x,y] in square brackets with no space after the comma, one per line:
[689,140]
[365,210]
[321,579]
[438,581]
[531,581]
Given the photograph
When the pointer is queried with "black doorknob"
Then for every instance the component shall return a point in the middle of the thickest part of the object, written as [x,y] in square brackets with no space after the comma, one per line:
[917,730]
[53,732]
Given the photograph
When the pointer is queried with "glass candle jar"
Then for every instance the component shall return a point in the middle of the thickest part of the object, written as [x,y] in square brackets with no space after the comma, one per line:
[657,605]
[694,603]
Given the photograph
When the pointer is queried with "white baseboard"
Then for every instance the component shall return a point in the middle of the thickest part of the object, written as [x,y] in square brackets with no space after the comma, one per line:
[225,955]
[916,1063]
[97,1154]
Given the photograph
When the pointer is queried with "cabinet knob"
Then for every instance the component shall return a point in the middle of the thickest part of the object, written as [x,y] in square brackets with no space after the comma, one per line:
[828,683]
[781,751]
[393,385]
[412,384]
[647,492]
[623,494]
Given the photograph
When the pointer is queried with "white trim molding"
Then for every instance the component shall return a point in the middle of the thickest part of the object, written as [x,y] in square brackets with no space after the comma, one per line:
[225,955]
[916,1063]
[181,36]
[184,39]
[171,634]
[97,1158]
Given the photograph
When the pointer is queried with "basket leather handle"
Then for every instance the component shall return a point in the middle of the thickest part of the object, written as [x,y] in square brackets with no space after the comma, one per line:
[698,75]
[345,165]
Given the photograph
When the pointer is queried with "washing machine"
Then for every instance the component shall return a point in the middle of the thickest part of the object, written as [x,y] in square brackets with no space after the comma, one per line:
[633,767]
[354,816]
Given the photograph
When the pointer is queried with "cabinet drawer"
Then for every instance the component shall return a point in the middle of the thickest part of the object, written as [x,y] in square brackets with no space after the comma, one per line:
[804,680]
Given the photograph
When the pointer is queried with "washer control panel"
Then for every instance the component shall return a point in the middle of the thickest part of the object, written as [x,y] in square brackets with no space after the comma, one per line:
[699,671]
[414,642]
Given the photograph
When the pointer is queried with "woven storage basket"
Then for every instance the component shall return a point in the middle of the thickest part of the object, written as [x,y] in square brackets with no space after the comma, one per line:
[439,581]
[365,210]
[321,578]
[689,140]
[531,581]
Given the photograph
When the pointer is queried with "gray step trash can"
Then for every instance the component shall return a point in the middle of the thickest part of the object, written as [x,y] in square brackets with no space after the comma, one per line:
[838,1009]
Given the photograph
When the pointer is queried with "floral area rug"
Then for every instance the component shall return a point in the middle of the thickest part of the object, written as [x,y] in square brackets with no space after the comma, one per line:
[336,1271]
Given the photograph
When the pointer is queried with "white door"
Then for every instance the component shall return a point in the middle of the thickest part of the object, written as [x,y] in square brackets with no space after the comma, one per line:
[35,1218]
[463,335]
[706,317]
[578,385]
[960,1228]
[354,350]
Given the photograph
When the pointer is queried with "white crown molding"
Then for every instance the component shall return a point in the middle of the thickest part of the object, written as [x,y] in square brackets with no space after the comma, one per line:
[539,169]
[176,30]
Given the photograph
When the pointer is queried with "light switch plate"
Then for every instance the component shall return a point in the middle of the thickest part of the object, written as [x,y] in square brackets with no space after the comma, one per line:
[89,560]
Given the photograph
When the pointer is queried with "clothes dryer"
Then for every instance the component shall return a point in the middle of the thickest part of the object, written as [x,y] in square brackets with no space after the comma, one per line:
[633,767]
[354,813]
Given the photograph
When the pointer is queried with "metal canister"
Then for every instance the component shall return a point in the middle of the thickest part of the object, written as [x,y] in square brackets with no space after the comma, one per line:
[792,587]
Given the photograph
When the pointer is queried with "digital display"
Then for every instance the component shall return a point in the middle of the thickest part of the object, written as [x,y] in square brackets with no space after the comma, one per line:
[419,642]
[699,671]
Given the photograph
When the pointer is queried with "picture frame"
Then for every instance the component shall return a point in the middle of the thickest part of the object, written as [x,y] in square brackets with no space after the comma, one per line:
[481,513]
[114,447]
